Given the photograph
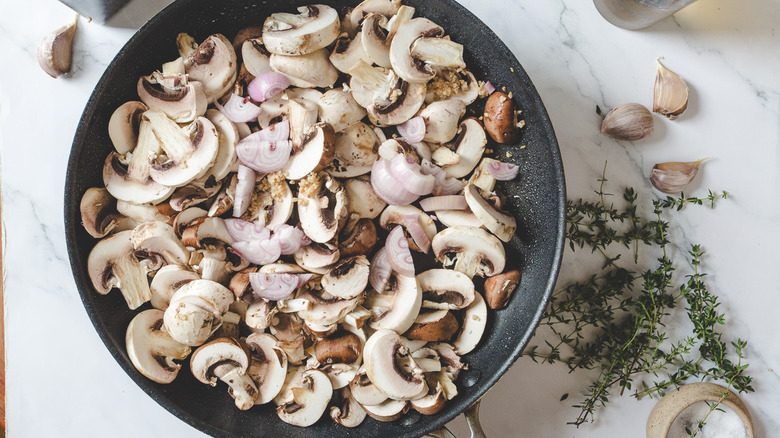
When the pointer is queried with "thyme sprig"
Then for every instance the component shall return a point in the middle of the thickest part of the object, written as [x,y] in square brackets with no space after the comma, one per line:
[614,320]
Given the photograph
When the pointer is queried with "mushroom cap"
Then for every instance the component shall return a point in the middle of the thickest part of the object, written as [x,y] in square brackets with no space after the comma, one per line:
[433,402]
[374,36]
[474,322]
[470,145]
[185,217]
[365,392]
[404,65]
[167,281]
[470,250]
[182,105]
[451,218]
[346,52]
[312,70]
[226,160]
[213,64]
[358,239]
[499,223]
[124,124]
[441,120]
[482,177]
[380,355]
[157,240]
[389,410]
[98,212]
[340,346]
[446,289]
[255,57]
[111,263]
[348,279]
[268,367]
[406,299]
[315,27]
[309,400]
[355,151]
[316,257]
[317,152]
[348,412]
[151,349]
[196,311]
[363,201]
[340,111]
[498,289]
[206,232]
[209,362]
[322,206]
[387,8]
[435,326]
[403,108]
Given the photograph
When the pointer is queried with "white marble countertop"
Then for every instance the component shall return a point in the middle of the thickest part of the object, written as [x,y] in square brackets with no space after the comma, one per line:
[62,381]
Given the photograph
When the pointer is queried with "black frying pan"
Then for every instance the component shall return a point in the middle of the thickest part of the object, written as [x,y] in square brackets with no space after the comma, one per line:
[536,198]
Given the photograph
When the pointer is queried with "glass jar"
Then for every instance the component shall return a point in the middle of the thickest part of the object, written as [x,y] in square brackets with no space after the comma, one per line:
[638,14]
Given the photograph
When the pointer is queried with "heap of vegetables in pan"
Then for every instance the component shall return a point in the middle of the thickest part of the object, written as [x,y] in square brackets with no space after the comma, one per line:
[306,207]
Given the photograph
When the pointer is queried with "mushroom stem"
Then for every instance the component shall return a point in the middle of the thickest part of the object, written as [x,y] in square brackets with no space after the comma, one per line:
[175,141]
[439,51]
[369,76]
[214,270]
[468,264]
[131,280]
[242,388]
[403,16]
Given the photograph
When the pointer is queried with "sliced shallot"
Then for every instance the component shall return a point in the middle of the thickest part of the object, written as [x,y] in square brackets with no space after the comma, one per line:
[398,253]
[409,174]
[444,185]
[267,85]
[412,130]
[241,230]
[290,238]
[503,171]
[449,202]
[387,188]
[239,109]
[412,224]
[245,188]
[259,252]
[489,88]
[262,155]
[380,270]
[273,286]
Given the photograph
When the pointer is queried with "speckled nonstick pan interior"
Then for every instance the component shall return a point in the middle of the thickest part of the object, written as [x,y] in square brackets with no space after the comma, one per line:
[536,198]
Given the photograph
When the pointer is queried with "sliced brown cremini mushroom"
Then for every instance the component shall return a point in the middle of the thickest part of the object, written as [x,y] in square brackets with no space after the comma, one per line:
[189,152]
[340,346]
[316,153]
[268,366]
[474,322]
[446,289]
[433,326]
[388,99]
[339,110]
[500,118]
[381,354]
[470,250]
[469,145]
[348,278]
[112,263]
[418,43]
[427,359]
[167,281]
[498,289]
[312,70]
[441,120]
[124,124]
[128,178]
[98,212]
[151,349]
[355,151]
[313,28]
[255,57]
[183,105]
[501,224]
[346,52]
[259,314]
[226,359]
[363,201]
[310,398]
[347,412]
[196,311]
[397,310]
[394,215]
[322,206]
[213,64]
[357,238]
[156,241]
[317,257]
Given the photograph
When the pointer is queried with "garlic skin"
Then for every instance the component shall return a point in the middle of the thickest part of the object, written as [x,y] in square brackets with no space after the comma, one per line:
[630,121]
[55,49]
[670,93]
[673,177]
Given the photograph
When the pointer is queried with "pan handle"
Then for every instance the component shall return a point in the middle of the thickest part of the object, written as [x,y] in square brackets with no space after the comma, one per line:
[472,418]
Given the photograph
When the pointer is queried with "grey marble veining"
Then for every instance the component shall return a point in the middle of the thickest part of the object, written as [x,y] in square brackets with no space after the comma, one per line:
[726,50]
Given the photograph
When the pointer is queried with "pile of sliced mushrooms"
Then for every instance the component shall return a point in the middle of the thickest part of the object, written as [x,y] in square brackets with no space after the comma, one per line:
[307,207]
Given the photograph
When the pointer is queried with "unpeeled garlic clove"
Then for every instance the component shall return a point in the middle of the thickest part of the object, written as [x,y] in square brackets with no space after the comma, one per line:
[670,94]
[630,121]
[54,51]
[674,177]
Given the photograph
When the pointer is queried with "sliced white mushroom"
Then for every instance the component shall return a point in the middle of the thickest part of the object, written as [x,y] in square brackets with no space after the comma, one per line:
[124,124]
[355,151]
[111,263]
[408,67]
[189,151]
[394,215]
[256,58]
[434,400]
[387,8]
[469,145]
[313,28]
[182,105]
[288,330]
[391,101]
[226,160]
[470,250]
[317,257]
[184,218]
[225,359]
[196,311]
[397,310]
[316,154]
[325,308]
[482,177]
[381,354]
[272,202]
[501,224]
[347,52]
[348,278]
[441,120]
[157,241]
[307,71]
[268,367]
[272,110]
[151,349]
[363,201]
[474,322]
[348,412]
[451,218]
[167,281]
[339,109]
[310,400]
[206,232]
[322,206]
[213,64]
[302,115]
[365,392]
[446,289]
[98,212]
